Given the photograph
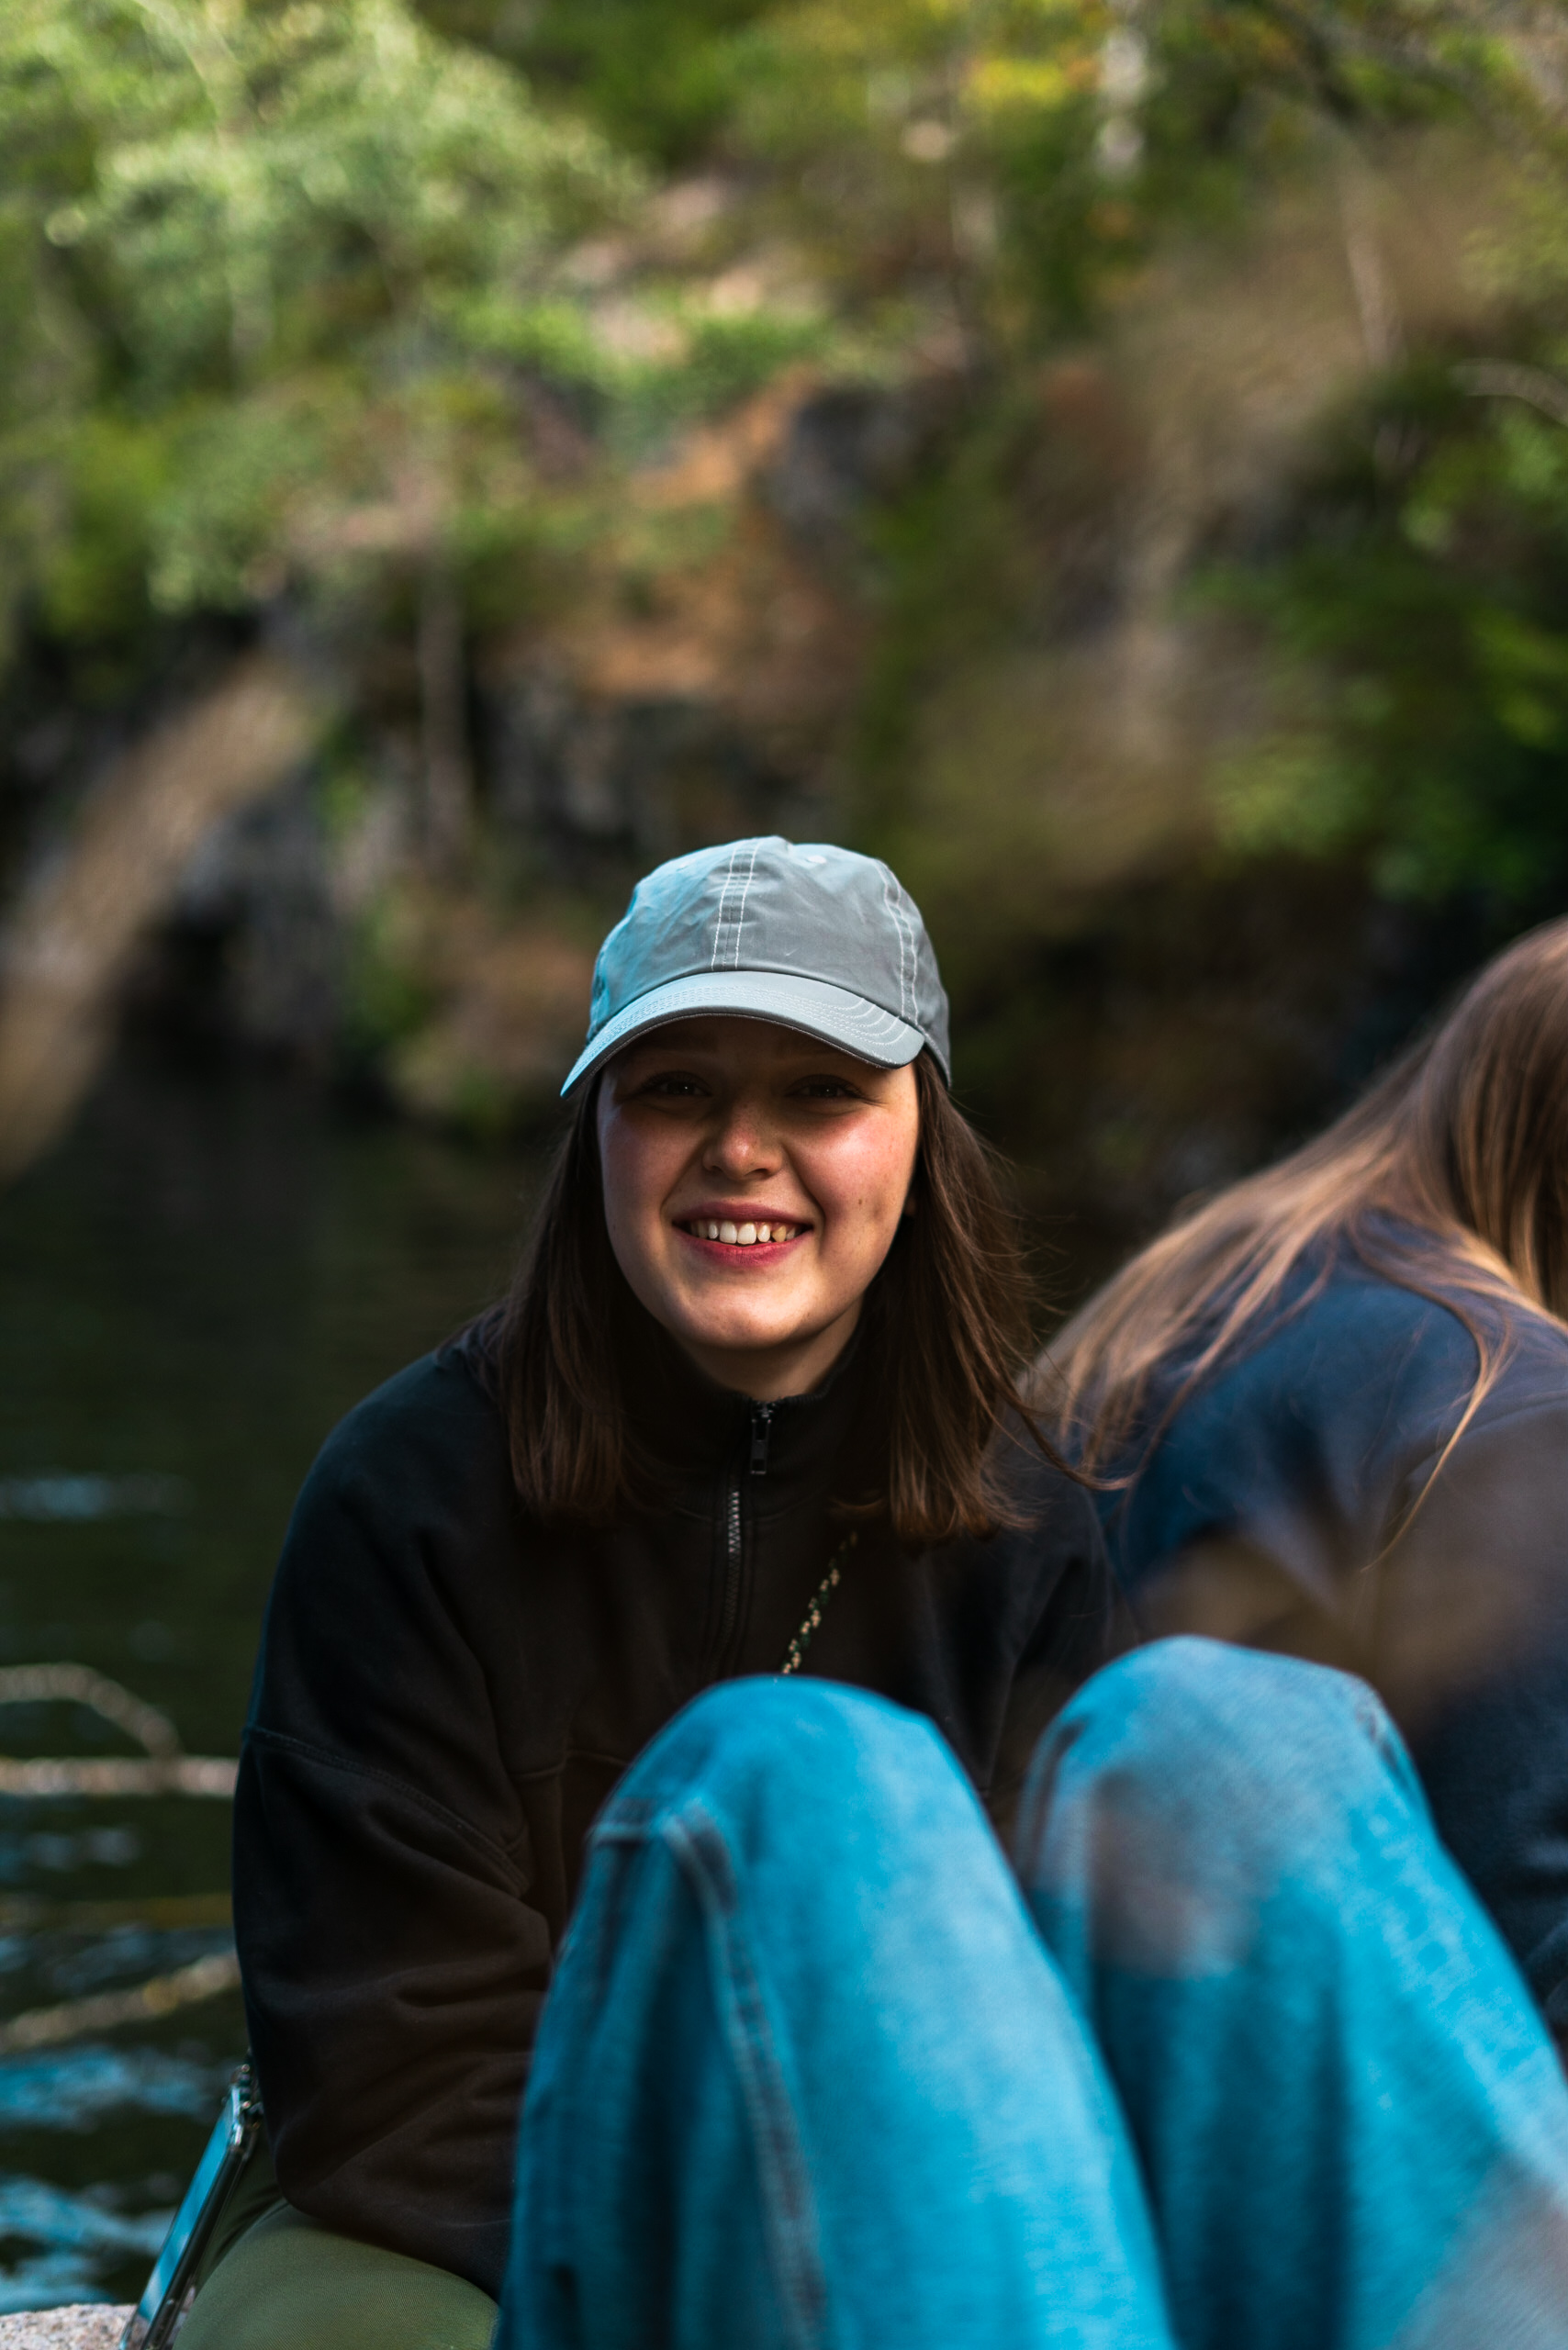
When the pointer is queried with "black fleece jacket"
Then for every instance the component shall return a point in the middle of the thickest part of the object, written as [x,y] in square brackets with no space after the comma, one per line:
[448,1690]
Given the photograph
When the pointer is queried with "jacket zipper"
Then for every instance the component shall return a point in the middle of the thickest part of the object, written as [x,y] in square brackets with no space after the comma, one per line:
[730,1604]
[757,1466]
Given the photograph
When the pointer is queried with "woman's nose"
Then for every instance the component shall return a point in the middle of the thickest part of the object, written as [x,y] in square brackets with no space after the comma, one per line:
[742,1144]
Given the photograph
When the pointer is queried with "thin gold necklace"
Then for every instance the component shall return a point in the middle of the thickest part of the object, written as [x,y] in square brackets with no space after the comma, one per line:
[794,1655]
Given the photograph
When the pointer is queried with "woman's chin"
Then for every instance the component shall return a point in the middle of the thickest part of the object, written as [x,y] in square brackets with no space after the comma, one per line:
[770,1339]
[750,1337]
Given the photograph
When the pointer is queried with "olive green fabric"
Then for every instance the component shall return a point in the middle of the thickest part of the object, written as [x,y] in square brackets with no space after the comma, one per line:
[288,2284]
[254,2195]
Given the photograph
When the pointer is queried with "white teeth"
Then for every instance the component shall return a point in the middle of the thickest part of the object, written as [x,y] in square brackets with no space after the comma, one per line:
[741,1236]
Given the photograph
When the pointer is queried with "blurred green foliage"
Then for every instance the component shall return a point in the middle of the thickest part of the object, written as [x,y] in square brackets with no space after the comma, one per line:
[664,78]
[249,253]
[274,269]
[1418,610]
[303,303]
[979,181]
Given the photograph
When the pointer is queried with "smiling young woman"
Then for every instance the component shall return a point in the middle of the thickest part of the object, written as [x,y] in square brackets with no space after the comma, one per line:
[701,1596]
[753,1408]
[761,1281]
[893,1213]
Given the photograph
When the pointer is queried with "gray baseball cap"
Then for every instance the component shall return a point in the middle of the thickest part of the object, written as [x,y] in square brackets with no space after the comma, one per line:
[808,936]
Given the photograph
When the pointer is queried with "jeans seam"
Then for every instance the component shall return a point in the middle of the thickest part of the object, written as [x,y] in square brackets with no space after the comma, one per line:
[698,1847]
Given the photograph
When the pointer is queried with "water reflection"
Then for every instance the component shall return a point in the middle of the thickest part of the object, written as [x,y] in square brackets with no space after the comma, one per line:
[45,1498]
[73,2088]
[191,1292]
[114,1847]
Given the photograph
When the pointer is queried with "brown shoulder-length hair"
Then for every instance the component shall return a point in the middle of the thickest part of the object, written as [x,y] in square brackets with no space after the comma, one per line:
[1449,1177]
[947,1318]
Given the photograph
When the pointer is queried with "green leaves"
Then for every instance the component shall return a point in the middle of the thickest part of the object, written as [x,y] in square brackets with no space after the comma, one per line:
[313,302]
[1417,623]
[241,245]
[269,184]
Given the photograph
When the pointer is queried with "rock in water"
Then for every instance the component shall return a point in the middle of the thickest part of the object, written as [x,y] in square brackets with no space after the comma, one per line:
[86,2325]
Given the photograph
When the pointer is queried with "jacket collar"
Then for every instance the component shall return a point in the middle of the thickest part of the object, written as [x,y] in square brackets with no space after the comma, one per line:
[697,1431]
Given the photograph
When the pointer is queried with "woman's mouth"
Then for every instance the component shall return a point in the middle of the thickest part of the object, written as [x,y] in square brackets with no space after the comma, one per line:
[741,1236]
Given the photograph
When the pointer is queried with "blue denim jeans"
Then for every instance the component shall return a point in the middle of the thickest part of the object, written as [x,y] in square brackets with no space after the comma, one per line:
[1230,2058]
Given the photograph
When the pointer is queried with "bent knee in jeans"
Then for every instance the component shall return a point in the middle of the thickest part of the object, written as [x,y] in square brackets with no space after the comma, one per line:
[787,1765]
[1199,1742]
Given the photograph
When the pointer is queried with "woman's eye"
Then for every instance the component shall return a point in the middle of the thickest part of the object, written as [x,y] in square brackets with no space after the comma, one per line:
[673,1086]
[828,1088]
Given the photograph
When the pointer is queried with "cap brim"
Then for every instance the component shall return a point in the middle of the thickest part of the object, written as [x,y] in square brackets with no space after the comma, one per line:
[832,1015]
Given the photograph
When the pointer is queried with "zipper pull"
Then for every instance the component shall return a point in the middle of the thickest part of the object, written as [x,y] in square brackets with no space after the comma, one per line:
[761,1428]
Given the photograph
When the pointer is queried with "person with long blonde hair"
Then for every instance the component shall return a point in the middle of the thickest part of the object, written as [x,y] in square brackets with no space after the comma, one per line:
[1329,1408]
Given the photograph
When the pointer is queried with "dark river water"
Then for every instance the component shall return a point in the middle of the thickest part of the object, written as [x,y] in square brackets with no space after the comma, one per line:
[192,1290]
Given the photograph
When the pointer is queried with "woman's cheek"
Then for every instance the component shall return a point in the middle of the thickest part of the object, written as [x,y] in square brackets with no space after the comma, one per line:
[636,1178]
[860,1221]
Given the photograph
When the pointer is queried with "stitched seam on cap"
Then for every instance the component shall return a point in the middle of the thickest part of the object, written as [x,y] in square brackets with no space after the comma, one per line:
[865,1010]
[893,896]
[873,1021]
[740,918]
[906,941]
[723,900]
[869,1021]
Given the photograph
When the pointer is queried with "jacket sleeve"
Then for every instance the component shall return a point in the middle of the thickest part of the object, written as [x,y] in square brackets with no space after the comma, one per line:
[392,1964]
[1068,1631]
[1471,1654]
